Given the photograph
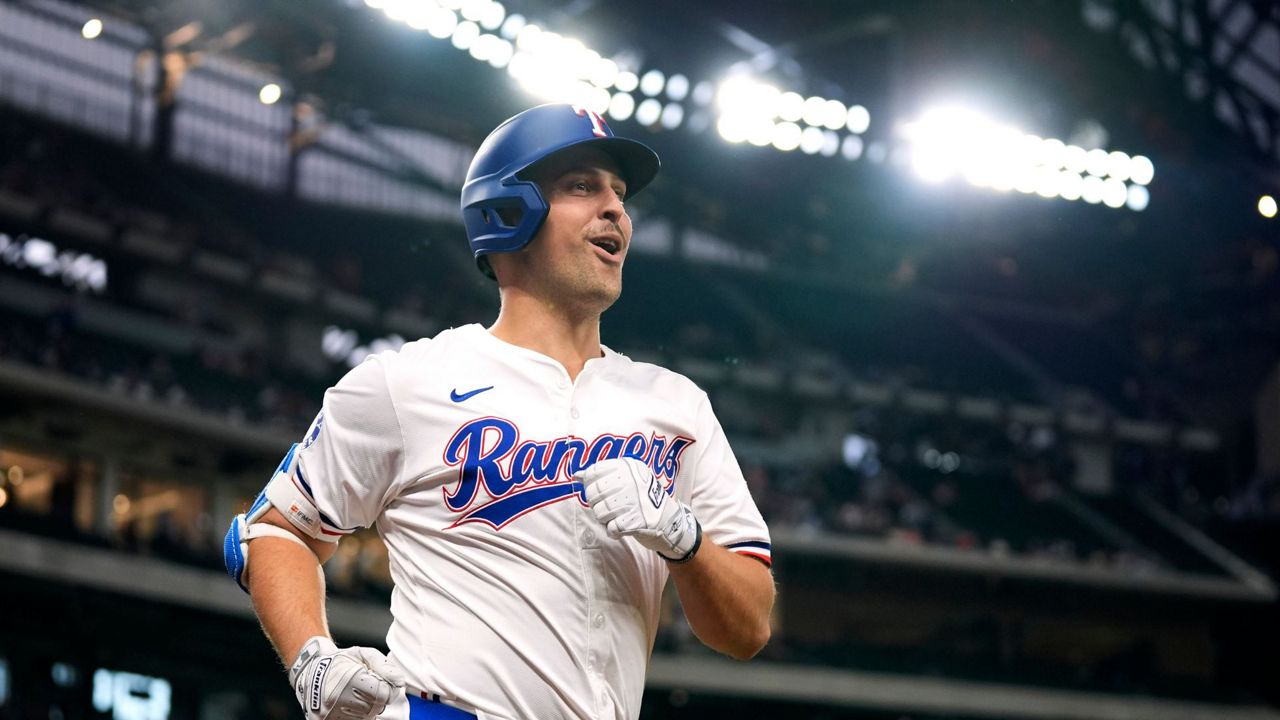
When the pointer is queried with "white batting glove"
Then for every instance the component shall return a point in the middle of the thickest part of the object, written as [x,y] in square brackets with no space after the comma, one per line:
[353,683]
[629,500]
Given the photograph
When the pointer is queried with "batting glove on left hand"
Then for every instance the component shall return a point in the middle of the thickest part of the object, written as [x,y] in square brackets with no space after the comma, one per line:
[354,683]
[629,500]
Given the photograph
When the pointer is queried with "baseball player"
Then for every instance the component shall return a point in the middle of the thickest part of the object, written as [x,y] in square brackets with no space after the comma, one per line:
[534,489]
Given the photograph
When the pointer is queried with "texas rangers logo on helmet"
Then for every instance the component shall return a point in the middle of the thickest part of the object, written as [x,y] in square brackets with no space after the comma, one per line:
[520,477]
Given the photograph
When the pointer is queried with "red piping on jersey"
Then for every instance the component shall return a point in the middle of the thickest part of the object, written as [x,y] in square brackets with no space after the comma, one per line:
[768,561]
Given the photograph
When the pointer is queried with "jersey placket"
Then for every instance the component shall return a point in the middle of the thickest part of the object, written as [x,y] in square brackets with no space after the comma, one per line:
[590,535]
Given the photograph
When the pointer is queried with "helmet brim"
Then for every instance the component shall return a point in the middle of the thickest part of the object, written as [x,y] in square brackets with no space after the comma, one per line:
[638,163]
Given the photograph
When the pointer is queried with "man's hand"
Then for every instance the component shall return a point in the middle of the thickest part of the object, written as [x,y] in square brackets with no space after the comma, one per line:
[629,500]
[353,683]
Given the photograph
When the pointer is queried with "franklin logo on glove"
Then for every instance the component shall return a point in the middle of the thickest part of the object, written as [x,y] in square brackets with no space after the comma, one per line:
[354,682]
[655,493]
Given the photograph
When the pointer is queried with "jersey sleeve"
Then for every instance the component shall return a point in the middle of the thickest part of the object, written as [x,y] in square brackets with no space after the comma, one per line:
[721,500]
[350,460]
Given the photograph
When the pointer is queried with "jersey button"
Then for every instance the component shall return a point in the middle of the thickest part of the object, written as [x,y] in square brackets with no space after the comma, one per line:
[562,382]
[598,621]
[573,413]
[588,538]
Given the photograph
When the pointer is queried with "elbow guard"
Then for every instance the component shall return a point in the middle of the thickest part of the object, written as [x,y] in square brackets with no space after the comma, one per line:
[246,526]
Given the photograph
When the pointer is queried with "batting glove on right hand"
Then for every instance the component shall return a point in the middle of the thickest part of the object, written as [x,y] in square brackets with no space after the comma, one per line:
[629,500]
[354,683]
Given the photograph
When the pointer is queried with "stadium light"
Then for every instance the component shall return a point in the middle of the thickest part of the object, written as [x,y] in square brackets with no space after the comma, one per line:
[672,116]
[1139,198]
[677,87]
[92,29]
[851,147]
[621,105]
[858,120]
[786,136]
[270,94]
[555,68]
[626,81]
[465,34]
[512,25]
[648,112]
[652,82]
[1267,206]
[955,141]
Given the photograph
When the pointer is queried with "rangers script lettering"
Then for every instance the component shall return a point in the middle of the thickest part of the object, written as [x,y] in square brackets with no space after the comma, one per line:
[488,452]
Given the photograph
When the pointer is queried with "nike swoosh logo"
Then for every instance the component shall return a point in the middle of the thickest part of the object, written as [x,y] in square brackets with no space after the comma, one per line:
[454,396]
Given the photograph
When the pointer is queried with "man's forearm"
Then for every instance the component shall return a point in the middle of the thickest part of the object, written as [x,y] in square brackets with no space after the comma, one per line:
[287,587]
[727,599]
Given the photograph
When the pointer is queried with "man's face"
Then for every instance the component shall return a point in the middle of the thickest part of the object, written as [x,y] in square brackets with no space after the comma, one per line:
[576,257]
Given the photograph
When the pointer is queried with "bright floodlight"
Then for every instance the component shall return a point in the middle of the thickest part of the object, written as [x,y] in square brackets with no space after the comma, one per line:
[851,147]
[830,144]
[621,106]
[441,22]
[1119,165]
[501,53]
[1091,190]
[626,81]
[1074,159]
[950,140]
[744,95]
[418,17]
[604,72]
[648,112]
[651,83]
[790,107]
[761,131]
[1070,185]
[677,87]
[733,127]
[270,94]
[1267,206]
[474,9]
[858,119]
[1052,153]
[1046,182]
[466,33]
[493,15]
[672,116]
[1138,199]
[91,29]
[786,136]
[481,48]
[1141,170]
[1114,193]
[512,25]
[836,115]
[1097,162]
[811,140]
[815,111]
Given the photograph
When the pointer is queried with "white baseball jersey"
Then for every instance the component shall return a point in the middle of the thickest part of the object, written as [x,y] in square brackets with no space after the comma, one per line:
[510,599]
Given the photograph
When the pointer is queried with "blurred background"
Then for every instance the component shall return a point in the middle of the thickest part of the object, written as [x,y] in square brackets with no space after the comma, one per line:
[986,293]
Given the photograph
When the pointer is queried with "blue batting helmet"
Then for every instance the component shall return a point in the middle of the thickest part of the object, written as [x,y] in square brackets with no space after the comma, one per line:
[494,181]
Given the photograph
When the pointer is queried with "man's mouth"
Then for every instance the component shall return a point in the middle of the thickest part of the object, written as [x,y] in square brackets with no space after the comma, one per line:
[608,243]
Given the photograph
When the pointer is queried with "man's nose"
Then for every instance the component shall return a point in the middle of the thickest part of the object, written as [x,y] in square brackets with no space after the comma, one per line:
[612,209]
